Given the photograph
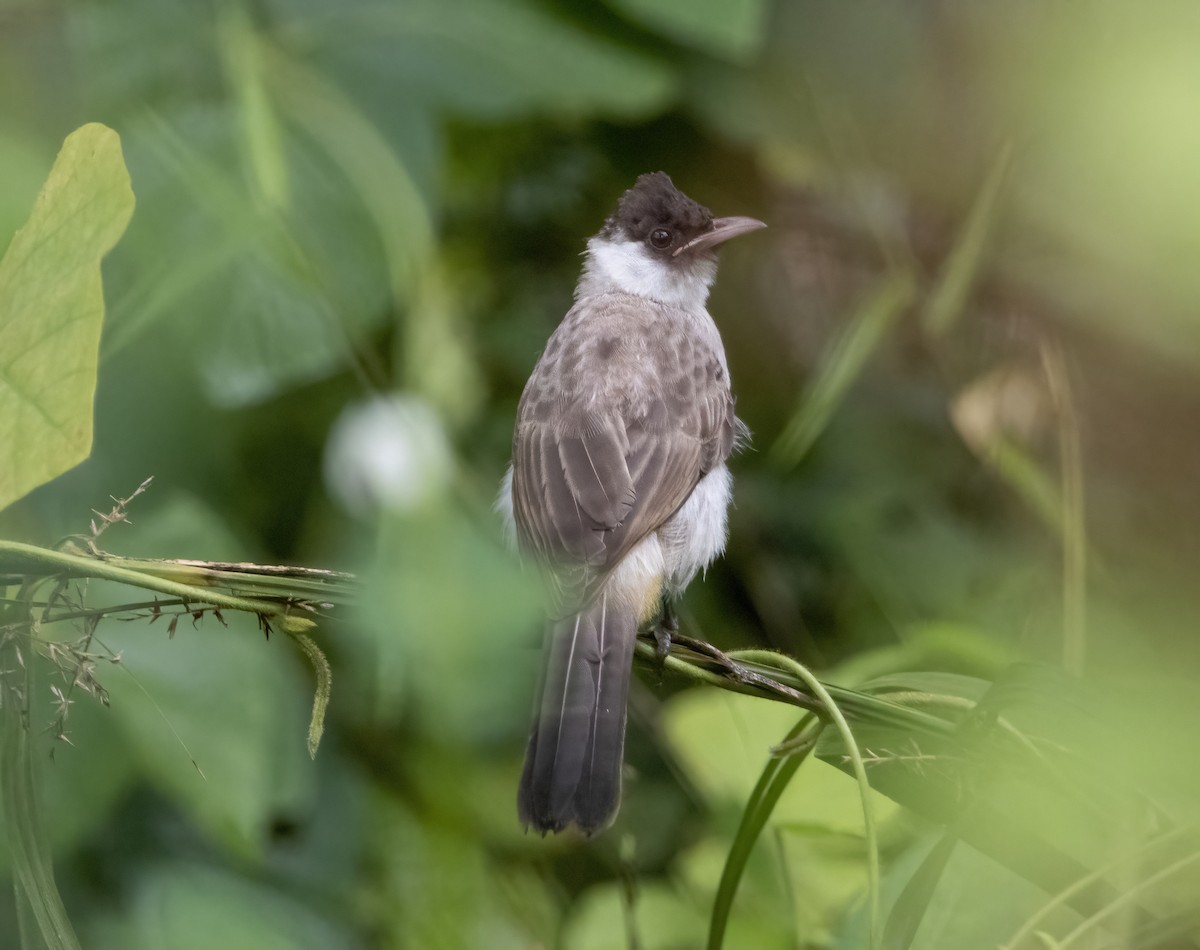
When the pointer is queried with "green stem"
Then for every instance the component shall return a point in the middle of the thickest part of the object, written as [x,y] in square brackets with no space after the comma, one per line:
[324,674]
[1063,897]
[842,366]
[802,739]
[30,559]
[1126,896]
[860,775]
[100,613]
[39,904]
[698,674]
[1074,526]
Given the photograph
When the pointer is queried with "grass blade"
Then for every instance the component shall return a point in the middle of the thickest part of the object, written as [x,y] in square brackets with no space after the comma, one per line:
[909,909]
[771,784]
[948,297]
[33,874]
[857,769]
[1122,899]
[1030,927]
[841,367]
[1074,528]
[962,738]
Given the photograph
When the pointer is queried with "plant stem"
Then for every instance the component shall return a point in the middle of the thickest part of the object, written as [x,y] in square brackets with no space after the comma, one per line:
[860,775]
[31,561]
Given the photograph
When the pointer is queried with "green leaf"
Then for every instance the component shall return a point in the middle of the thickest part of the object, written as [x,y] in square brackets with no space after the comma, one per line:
[213,724]
[975,903]
[457,905]
[772,783]
[419,629]
[51,309]
[1011,795]
[193,907]
[493,60]
[909,909]
[216,717]
[838,723]
[714,735]
[663,917]
[724,740]
[261,130]
[948,298]
[730,28]
[268,297]
[96,758]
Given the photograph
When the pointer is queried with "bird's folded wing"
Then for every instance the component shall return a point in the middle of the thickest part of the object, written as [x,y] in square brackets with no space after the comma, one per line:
[586,490]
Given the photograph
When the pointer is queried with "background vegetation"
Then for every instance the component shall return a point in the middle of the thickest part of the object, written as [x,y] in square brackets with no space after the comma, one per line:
[968,348]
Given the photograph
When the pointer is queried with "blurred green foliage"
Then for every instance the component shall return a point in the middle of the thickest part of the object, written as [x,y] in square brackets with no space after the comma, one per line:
[339,201]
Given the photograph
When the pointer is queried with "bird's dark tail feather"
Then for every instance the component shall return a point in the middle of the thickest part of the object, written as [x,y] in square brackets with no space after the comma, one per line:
[573,764]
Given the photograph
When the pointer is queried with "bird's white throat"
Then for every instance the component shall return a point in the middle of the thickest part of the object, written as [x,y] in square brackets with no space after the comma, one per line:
[628,267]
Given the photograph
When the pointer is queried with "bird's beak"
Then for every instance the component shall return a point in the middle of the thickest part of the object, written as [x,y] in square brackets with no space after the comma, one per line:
[722,230]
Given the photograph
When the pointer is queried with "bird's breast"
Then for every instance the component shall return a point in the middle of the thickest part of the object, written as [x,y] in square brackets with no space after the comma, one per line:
[695,535]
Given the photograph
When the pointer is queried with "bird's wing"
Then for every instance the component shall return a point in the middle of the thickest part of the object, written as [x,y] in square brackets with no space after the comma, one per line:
[593,477]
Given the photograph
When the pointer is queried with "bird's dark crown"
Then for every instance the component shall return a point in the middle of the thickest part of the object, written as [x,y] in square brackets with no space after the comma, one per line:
[654,204]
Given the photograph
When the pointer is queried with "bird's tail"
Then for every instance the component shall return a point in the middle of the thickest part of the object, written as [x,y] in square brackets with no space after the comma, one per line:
[573,763]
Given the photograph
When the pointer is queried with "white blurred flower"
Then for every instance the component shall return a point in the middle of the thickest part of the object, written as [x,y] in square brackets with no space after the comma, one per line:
[1011,402]
[390,452]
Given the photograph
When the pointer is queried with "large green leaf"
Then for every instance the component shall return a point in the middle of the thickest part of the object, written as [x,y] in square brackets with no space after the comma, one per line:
[95,756]
[420,627]
[489,59]
[438,888]
[190,906]
[723,742]
[1025,777]
[266,297]
[663,917]
[973,901]
[289,209]
[51,309]
[214,717]
[730,28]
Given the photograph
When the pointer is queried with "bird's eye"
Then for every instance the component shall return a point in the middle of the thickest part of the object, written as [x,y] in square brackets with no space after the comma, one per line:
[660,238]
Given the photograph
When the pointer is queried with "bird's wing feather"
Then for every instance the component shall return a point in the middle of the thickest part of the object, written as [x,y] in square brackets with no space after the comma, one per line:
[593,477]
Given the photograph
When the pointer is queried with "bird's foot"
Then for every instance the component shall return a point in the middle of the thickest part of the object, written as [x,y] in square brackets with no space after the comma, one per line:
[667,626]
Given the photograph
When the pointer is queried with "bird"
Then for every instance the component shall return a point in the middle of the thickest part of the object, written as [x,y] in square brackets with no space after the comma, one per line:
[618,486]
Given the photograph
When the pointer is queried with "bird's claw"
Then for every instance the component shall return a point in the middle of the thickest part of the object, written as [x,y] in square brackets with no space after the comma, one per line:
[666,627]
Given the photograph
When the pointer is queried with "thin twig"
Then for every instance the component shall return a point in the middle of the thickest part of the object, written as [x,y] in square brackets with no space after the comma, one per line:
[748,677]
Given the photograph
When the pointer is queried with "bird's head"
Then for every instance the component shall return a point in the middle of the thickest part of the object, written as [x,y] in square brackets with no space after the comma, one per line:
[660,244]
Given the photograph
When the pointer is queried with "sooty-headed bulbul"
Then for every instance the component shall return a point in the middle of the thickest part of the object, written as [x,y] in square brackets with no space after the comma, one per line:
[618,486]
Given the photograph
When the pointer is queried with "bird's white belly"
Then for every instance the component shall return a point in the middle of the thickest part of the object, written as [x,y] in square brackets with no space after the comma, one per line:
[668,559]
[695,535]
